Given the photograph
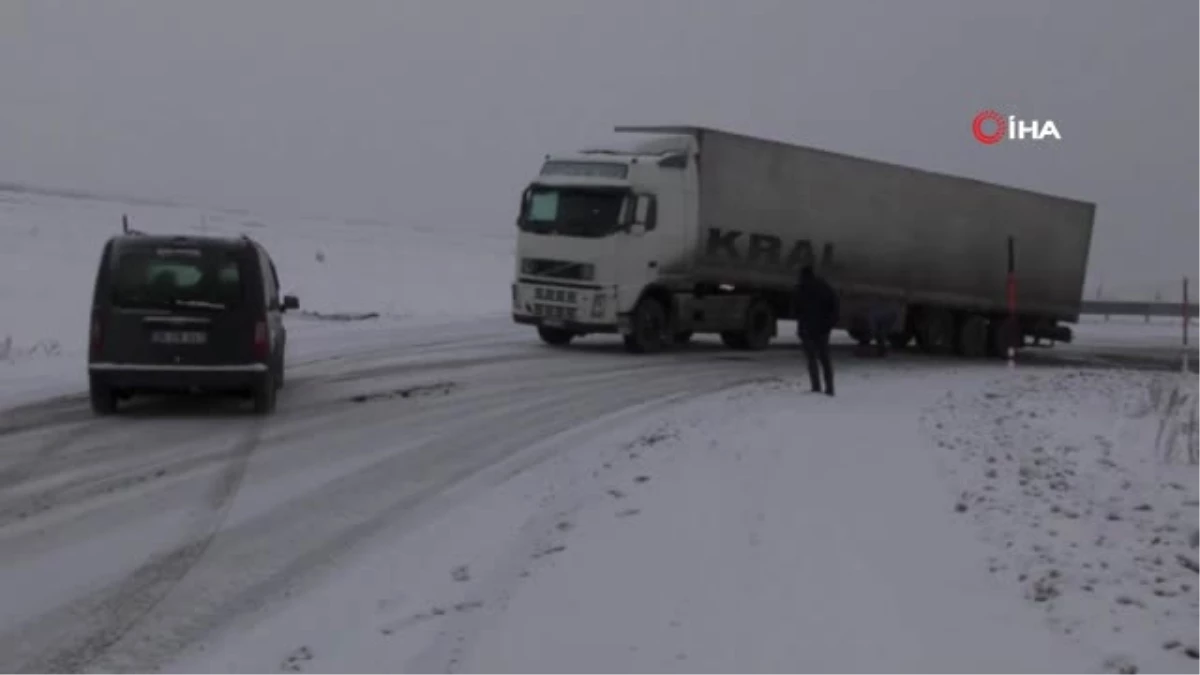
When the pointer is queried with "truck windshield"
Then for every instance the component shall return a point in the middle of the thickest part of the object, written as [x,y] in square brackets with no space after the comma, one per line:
[573,212]
[166,277]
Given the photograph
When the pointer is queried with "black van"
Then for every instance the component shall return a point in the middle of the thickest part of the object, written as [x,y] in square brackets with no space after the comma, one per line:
[180,314]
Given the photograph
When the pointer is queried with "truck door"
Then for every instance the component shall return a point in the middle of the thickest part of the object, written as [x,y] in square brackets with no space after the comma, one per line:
[666,212]
[637,250]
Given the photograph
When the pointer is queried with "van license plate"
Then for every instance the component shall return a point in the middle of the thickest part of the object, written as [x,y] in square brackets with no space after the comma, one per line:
[174,337]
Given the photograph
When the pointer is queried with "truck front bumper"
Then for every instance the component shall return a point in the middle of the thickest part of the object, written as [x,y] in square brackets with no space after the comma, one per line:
[580,327]
[572,308]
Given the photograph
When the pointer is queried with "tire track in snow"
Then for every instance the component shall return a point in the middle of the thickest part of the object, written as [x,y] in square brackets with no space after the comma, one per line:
[104,487]
[308,537]
[44,452]
[91,462]
[117,609]
[55,410]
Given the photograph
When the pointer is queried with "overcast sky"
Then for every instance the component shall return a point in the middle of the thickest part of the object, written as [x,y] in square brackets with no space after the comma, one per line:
[437,112]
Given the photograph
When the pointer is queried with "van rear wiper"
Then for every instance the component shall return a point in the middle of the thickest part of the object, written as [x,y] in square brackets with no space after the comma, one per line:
[201,304]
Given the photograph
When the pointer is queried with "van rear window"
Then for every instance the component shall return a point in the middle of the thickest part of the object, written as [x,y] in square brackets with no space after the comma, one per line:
[165,277]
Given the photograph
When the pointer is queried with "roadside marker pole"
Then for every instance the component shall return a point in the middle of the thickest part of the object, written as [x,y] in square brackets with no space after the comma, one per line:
[1012,304]
[1186,320]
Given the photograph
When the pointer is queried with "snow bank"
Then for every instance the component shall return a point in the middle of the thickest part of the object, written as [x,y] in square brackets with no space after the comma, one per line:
[1124,331]
[760,529]
[1085,484]
[49,249]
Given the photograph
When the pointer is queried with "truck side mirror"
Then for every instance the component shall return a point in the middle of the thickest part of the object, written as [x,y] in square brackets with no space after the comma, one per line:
[524,207]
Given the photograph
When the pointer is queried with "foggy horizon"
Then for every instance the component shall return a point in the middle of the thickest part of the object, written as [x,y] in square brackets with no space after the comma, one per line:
[437,114]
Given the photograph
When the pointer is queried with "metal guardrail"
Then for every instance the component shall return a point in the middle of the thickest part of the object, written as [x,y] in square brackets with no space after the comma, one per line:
[1134,308]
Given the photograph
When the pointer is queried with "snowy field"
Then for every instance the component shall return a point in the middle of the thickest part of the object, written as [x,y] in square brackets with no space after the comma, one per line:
[441,493]
[51,248]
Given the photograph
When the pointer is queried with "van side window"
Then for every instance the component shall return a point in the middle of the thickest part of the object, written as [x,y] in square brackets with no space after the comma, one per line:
[267,272]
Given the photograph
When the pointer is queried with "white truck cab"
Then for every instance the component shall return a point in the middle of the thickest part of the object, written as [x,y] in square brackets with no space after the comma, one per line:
[597,229]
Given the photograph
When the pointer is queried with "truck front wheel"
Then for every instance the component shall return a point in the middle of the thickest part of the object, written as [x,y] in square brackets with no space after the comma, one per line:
[649,328]
[555,336]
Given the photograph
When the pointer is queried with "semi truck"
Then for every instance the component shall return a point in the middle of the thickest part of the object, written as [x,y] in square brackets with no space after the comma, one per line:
[694,230]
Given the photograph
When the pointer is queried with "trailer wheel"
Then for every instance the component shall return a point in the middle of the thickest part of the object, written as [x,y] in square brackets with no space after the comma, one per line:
[935,331]
[860,336]
[734,339]
[760,325]
[999,335]
[650,331]
[555,336]
[973,337]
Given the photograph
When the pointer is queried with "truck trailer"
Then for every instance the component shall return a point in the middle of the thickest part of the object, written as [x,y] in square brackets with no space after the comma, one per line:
[692,230]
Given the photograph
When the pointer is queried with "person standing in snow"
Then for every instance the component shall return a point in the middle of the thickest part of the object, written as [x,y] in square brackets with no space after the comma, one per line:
[817,312]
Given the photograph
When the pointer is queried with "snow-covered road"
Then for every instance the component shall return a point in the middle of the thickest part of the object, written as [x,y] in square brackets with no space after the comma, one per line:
[168,522]
[191,530]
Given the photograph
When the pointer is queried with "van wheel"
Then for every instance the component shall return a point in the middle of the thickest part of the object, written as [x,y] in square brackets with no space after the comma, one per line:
[103,397]
[650,330]
[265,394]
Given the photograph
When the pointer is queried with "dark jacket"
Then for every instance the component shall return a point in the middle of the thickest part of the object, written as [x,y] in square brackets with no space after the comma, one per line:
[817,305]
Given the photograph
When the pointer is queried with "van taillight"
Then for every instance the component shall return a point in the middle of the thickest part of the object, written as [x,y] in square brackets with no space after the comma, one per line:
[261,341]
[96,336]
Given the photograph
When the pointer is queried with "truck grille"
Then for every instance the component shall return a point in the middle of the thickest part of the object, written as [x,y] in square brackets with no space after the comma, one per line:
[554,311]
[556,295]
[557,269]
